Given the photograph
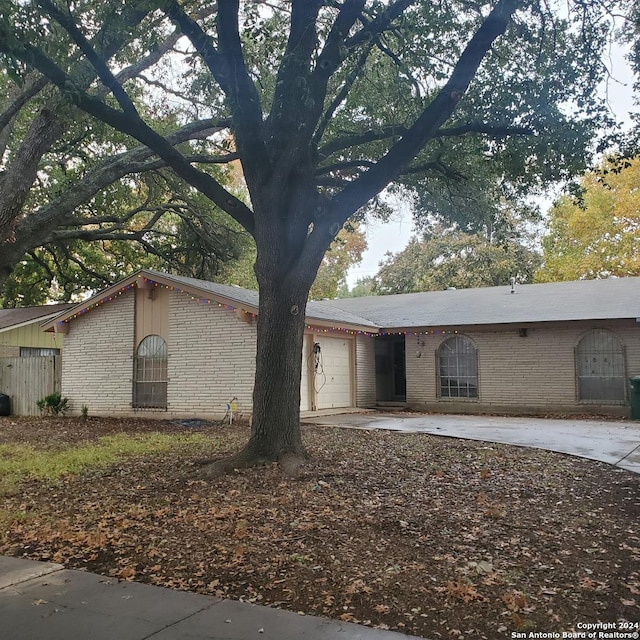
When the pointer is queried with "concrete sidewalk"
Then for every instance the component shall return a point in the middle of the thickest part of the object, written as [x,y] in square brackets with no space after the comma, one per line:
[615,442]
[44,601]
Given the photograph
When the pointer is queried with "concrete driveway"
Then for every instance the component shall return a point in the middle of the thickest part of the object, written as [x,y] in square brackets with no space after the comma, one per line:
[617,443]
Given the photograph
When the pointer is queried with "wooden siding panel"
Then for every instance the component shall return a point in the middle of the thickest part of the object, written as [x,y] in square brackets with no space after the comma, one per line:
[31,335]
[152,313]
[28,380]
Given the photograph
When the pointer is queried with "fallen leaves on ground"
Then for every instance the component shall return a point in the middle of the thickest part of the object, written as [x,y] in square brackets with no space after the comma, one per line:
[431,536]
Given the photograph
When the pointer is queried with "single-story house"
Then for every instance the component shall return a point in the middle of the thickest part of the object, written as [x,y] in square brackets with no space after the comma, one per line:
[186,347]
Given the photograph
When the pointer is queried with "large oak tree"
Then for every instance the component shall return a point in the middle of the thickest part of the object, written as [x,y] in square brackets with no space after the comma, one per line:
[327,103]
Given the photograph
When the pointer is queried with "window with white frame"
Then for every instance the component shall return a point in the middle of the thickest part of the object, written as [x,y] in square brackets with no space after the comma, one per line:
[458,368]
[600,365]
[150,374]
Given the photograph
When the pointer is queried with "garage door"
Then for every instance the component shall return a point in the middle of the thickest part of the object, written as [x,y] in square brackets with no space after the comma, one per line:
[307,361]
[333,377]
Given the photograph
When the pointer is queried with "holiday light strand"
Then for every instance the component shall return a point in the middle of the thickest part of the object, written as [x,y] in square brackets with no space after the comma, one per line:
[228,307]
[99,303]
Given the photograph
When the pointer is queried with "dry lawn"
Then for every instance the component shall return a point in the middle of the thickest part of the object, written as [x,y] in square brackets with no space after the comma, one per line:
[432,536]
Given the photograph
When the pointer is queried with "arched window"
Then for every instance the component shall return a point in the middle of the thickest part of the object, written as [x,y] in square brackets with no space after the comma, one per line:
[601,368]
[150,374]
[458,368]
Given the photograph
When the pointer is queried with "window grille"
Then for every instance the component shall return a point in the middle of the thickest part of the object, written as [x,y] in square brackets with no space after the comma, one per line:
[458,368]
[150,374]
[601,368]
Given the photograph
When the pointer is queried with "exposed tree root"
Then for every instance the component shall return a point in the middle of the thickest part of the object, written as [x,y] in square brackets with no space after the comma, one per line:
[290,462]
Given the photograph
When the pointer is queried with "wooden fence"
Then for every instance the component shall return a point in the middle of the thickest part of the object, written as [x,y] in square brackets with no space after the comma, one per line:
[27,380]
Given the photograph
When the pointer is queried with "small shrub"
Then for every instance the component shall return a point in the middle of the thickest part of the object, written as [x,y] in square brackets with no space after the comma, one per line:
[85,412]
[53,404]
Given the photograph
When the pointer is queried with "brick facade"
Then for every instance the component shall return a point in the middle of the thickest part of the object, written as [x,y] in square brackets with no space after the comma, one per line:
[97,365]
[535,373]
[211,358]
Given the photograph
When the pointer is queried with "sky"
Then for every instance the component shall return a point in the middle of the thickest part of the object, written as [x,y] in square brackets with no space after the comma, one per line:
[394,235]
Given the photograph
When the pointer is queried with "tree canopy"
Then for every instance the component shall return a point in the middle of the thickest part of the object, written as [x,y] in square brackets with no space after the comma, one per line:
[67,180]
[452,258]
[345,251]
[325,104]
[596,232]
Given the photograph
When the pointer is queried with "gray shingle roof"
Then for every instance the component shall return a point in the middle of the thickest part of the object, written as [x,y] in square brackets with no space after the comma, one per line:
[12,317]
[615,298]
[556,301]
[315,310]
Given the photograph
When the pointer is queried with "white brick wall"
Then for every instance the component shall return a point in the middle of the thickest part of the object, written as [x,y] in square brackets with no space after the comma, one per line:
[533,373]
[365,372]
[211,358]
[97,366]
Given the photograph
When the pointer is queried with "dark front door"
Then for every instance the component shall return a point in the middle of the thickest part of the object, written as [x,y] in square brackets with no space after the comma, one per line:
[391,380]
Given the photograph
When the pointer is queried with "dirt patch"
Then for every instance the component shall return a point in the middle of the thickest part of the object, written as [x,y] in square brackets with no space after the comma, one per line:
[436,537]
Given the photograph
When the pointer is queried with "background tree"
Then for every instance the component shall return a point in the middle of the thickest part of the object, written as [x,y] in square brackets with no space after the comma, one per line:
[364,286]
[327,104]
[452,258]
[596,233]
[345,251]
[166,231]
[67,179]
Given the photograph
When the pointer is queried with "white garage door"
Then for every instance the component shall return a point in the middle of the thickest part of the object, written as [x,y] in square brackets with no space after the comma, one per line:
[307,361]
[333,377]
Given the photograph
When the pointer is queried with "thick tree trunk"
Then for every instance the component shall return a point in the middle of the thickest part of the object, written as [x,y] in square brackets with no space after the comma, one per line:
[275,430]
[286,267]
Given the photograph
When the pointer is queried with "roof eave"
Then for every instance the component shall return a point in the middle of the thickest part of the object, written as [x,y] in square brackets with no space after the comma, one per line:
[347,326]
[41,320]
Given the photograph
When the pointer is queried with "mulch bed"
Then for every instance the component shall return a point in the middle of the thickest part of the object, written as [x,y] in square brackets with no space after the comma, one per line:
[435,537]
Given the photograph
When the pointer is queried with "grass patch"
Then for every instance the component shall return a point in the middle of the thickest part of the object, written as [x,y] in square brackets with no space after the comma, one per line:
[21,461]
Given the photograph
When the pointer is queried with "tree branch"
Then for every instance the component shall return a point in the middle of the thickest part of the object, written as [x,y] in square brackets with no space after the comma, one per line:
[379,24]
[59,212]
[495,131]
[134,126]
[31,90]
[49,124]
[107,78]
[342,94]
[292,101]
[227,67]
[358,192]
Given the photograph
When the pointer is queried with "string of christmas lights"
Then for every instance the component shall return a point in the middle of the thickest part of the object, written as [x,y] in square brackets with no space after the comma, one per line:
[228,307]
[99,303]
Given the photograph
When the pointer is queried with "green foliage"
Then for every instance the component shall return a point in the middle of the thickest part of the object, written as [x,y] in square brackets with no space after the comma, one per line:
[537,79]
[345,252]
[453,258]
[190,238]
[595,233]
[365,286]
[53,404]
